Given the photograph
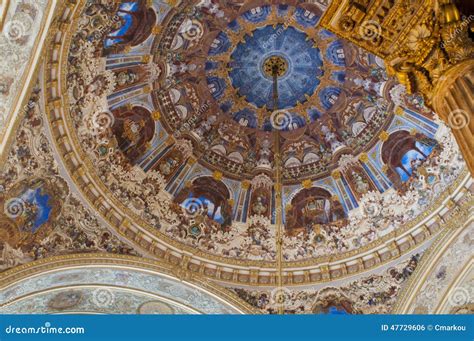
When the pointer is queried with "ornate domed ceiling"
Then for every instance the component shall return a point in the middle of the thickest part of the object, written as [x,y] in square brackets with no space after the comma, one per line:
[198,129]
[229,70]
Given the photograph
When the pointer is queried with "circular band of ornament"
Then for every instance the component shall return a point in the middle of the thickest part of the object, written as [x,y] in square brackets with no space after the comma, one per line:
[133,228]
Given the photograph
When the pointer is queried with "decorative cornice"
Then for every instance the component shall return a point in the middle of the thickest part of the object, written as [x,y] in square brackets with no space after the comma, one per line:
[27,78]
[429,261]
[82,260]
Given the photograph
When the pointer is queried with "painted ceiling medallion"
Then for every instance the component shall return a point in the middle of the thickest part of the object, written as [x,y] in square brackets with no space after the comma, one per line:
[275,66]
[311,74]
[299,67]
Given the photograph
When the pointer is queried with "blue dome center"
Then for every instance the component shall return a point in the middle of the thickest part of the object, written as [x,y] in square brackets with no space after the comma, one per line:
[304,67]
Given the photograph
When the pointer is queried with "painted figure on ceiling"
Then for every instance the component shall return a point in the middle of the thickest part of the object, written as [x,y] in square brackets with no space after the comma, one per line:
[333,302]
[311,207]
[358,180]
[134,24]
[260,202]
[134,129]
[126,77]
[207,197]
[171,161]
[27,210]
[403,153]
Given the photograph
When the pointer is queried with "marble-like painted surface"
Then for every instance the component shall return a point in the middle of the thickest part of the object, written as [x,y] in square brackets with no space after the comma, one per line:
[21,29]
[153,283]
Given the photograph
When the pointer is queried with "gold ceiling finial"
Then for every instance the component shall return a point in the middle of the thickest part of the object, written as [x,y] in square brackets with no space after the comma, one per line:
[364,158]
[336,174]
[383,136]
[147,89]
[217,175]
[307,183]
[399,111]
[172,3]
[245,184]
[146,58]
[156,115]
[275,64]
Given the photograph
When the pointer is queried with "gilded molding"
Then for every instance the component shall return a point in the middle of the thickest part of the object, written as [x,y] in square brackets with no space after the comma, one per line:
[28,77]
[55,263]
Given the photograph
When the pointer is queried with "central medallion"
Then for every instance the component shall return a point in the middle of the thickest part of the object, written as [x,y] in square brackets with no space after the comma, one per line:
[275,65]
[290,52]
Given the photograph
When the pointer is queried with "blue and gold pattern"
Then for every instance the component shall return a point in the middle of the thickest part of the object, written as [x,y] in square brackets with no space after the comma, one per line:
[314,67]
[295,85]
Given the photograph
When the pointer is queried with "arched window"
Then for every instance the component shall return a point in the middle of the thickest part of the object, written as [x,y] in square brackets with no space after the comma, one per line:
[134,24]
[312,207]
[403,153]
[243,122]
[133,129]
[215,43]
[340,53]
[209,198]
[308,14]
